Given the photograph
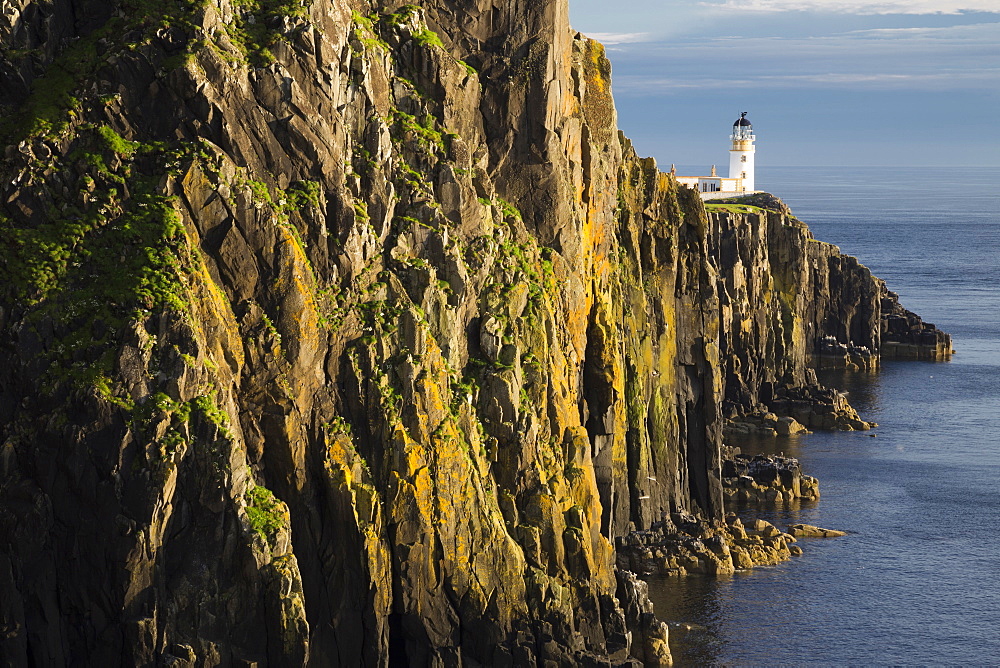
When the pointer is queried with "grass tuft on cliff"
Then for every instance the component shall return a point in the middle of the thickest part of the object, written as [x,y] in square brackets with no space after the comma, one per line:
[264,512]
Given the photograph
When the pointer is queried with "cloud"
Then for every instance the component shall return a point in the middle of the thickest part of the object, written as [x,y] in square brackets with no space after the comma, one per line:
[878,41]
[854,55]
[958,51]
[639,85]
[862,7]
[610,38]
[960,33]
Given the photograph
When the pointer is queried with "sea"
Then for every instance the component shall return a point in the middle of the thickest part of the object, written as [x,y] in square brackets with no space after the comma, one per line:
[917,579]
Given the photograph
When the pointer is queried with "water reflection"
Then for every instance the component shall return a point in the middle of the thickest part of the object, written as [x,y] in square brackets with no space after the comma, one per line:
[692,606]
[863,388]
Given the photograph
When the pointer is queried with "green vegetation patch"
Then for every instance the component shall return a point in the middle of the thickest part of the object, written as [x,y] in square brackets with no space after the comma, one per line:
[365,31]
[723,207]
[402,15]
[285,203]
[425,131]
[758,201]
[265,513]
[56,97]
[113,249]
[53,100]
[508,209]
[427,37]
[208,408]
[108,250]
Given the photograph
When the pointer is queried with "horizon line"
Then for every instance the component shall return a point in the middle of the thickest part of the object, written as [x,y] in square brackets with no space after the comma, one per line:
[856,166]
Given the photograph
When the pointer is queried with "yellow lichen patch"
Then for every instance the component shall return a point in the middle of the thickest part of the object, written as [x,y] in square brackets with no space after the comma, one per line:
[342,460]
[299,312]
[196,185]
[212,314]
[424,493]
[292,611]
[431,392]
[414,456]
[598,70]
[302,274]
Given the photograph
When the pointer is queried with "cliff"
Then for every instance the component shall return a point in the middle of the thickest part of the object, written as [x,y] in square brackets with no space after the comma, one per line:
[352,333]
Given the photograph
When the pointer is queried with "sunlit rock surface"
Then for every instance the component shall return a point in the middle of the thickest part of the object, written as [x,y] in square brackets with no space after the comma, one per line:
[341,332]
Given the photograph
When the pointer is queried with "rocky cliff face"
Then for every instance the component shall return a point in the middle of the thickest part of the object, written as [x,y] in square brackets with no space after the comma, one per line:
[352,333]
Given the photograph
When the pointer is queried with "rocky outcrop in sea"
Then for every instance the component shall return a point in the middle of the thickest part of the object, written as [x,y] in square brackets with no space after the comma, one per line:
[766,480]
[906,336]
[685,545]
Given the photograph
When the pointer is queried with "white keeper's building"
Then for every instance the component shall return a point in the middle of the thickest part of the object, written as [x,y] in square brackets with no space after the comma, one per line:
[741,178]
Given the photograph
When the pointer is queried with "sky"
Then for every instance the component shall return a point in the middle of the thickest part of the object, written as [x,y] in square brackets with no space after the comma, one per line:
[825,82]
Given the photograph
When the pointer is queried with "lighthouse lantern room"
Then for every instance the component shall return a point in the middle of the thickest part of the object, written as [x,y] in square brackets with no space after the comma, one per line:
[741,155]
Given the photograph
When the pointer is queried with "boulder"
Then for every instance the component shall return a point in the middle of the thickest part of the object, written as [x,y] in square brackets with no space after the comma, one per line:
[788,426]
[810,531]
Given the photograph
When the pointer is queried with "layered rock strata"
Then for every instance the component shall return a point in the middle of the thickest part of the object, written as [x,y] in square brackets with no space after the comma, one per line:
[350,333]
[788,411]
[785,298]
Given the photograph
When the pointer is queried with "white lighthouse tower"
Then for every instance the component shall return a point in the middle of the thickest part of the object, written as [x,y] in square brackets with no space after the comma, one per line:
[741,155]
[741,178]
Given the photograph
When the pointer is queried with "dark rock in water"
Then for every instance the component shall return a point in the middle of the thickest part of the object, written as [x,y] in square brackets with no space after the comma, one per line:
[831,353]
[762,424]
[811,406]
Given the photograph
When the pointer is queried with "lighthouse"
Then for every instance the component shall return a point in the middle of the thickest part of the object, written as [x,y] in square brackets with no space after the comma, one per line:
[740,180]
[741,155]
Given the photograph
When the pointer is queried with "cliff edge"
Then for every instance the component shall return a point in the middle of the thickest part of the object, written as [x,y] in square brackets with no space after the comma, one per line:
[353,333]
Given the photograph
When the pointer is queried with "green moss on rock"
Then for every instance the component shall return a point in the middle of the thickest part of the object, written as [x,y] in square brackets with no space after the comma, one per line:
[265,513]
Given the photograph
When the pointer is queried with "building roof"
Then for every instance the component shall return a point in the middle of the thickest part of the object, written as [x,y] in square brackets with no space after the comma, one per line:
[742,121]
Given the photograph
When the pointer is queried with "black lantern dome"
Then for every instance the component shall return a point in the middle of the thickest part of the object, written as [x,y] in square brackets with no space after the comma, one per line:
[742,129]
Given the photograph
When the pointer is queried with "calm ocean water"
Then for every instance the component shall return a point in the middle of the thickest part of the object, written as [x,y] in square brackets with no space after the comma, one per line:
[917,581]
